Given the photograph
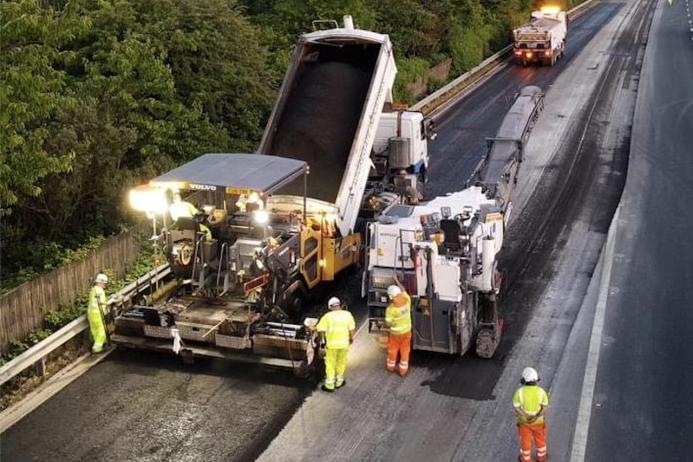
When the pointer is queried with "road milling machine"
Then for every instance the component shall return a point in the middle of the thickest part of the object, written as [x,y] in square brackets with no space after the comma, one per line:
[266,229]
[445,251]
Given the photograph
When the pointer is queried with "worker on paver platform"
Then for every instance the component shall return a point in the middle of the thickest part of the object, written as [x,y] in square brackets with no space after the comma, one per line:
[249,203]
[530,402]
[337,326]
[184,209]
[96,313]
[398,320]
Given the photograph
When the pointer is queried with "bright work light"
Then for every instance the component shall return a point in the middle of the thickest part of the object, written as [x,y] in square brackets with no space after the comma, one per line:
[260,217]
[148,199]
[550,9]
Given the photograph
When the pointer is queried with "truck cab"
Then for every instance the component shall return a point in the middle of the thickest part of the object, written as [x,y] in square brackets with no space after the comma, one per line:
[400,161]
[542,40]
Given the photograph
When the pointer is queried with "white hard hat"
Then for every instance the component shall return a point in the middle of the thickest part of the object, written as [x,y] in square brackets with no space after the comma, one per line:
[393,291]
[101,278]
[529,374]
[334,301]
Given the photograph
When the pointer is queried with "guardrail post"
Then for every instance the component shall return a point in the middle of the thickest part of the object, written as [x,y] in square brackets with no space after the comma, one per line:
[41,367]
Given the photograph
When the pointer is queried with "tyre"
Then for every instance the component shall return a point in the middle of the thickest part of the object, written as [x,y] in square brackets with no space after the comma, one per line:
[294,300]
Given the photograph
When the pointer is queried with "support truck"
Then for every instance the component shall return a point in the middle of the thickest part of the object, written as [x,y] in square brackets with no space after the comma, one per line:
[542,40]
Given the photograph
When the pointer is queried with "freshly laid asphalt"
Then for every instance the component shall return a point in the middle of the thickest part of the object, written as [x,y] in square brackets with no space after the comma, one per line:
[137,406]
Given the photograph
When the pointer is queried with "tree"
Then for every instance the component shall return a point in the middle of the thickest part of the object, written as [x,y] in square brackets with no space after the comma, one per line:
[32,90]
[217,62]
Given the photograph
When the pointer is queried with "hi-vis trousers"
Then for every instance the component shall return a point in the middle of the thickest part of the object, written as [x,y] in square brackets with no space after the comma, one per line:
[335,367]
[398,345]
[97,329]
[529,432]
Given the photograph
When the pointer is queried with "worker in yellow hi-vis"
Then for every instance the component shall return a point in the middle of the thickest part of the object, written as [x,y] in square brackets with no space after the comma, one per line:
[184,209]
[530,402]
[337,326]
[96,312]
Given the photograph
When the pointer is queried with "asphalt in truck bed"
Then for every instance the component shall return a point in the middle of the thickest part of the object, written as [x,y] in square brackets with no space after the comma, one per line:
[149,407]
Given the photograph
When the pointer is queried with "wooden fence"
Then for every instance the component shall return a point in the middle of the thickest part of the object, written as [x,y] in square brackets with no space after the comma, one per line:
[22,309]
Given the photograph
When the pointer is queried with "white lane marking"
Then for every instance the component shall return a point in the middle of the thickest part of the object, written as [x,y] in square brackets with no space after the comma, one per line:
[585,408]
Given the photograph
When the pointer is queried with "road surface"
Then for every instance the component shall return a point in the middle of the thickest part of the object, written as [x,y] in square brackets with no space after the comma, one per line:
[642,407]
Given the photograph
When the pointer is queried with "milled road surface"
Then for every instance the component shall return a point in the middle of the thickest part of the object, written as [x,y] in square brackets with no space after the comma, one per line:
[643,405]
[459,409]
[138,406]
[463,128]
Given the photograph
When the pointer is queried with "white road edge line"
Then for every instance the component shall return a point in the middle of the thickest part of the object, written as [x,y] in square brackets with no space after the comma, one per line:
[582,423]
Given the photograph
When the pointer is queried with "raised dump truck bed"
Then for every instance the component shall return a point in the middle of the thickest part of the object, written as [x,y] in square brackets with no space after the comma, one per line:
[328,112]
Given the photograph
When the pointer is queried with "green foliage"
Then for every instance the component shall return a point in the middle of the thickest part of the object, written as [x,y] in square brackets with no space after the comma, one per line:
[424,32]
[217,63]
[32,90]
[54,320]
[105,94]
[409,70]
[47,257]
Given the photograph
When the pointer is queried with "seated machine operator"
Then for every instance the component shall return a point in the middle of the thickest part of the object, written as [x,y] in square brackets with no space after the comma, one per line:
[249,203]
[184,209]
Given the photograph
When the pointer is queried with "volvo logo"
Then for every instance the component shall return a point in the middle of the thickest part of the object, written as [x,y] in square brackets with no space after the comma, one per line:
[204,187]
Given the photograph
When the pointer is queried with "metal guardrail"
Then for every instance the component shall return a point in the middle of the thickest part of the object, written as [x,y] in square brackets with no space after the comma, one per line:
[38,353]
[438,99]
[460,87]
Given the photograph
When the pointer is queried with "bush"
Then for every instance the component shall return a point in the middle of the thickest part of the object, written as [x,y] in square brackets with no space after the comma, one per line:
[409,70]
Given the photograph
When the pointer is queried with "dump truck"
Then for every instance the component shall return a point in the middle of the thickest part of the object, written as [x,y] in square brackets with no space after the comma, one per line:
[334,111]
[444,251]
[266,229]
[543,39]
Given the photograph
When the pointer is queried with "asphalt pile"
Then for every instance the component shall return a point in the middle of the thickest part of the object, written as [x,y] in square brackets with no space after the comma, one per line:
[319,123]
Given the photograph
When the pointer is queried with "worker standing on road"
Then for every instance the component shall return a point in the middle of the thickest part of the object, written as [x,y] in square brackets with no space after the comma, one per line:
[398,320]
[337,326]
[530,402]
[96,312]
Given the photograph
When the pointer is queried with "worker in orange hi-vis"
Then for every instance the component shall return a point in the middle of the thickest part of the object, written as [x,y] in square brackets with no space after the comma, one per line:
[398,320]
[530,402]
